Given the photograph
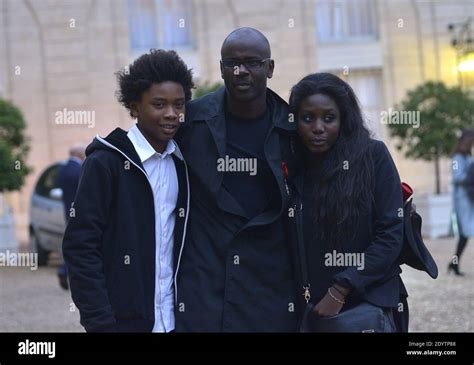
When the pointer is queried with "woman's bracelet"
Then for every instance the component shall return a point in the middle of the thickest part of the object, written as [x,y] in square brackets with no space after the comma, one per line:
[333,297]
[340,292]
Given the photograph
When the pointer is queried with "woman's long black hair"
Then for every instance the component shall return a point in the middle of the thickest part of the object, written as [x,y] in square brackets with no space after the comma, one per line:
[343,191]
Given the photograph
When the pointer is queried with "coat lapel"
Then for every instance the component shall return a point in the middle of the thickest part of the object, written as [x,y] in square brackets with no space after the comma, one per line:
[214,116]
[280,130]
[216,125]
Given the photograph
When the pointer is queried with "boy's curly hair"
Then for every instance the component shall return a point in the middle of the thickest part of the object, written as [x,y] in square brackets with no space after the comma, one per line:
[152,68]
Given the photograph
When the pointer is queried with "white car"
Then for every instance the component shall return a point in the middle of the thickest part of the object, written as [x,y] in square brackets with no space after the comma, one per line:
[47,221]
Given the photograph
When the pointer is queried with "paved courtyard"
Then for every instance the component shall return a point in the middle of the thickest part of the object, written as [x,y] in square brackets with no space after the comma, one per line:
[447,303]
[32,301]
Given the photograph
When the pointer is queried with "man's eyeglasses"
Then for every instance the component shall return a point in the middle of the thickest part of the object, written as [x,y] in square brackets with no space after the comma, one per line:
[249,64]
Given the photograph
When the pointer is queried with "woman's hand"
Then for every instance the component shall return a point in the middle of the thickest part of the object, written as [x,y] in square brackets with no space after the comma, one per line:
[331,305]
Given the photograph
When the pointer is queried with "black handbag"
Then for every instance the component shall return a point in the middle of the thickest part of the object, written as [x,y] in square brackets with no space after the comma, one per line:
[414,252]
[363,318]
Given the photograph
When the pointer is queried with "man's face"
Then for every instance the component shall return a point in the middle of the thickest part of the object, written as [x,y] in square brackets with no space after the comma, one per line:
[160,112]
[245,82]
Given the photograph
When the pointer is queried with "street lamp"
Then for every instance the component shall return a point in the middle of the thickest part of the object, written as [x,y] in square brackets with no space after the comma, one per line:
[463,43]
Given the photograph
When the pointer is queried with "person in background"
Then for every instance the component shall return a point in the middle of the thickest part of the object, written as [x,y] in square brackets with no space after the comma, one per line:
[68,180]
[463,204]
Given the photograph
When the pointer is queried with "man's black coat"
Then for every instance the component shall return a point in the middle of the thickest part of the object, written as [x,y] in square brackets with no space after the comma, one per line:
[235,274]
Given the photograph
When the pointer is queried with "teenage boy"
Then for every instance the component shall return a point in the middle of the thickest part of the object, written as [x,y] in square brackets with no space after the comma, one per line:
[124,241]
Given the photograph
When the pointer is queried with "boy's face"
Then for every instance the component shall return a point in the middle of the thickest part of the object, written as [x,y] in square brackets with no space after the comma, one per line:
[160,113]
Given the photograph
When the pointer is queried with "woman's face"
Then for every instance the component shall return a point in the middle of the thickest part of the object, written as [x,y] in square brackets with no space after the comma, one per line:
[319,122]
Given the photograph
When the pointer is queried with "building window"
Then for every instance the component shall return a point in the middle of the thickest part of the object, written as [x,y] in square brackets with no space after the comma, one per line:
[342,20]
[159,24]
[368,86]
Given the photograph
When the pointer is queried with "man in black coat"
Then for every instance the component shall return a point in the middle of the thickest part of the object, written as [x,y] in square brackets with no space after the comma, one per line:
[235,273]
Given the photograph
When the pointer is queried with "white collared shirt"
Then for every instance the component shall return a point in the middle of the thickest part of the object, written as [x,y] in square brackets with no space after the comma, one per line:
[163,179]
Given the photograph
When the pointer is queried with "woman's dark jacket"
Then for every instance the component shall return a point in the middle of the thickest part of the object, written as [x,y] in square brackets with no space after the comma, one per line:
[378,236]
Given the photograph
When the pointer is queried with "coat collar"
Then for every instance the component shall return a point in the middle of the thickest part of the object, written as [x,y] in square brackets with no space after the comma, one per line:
[214,109]
[213,112]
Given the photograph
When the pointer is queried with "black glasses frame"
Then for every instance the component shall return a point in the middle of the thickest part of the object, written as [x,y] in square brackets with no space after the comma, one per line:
[249,65]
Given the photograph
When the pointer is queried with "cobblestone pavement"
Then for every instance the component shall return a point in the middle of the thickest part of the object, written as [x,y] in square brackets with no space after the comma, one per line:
[447,303]
[32,301]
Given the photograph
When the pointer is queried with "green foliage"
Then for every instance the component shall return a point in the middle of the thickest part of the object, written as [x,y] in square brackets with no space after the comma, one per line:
[14,147]
[206,88]
[444,113]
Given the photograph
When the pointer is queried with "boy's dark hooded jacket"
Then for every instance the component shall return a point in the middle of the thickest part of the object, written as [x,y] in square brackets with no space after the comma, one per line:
[109,243]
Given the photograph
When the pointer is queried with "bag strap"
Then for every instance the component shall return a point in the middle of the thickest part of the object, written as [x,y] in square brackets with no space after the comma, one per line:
[302,250]
[287,153]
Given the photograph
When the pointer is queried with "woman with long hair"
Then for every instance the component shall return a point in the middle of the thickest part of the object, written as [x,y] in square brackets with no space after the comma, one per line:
[350,200]
[463,204]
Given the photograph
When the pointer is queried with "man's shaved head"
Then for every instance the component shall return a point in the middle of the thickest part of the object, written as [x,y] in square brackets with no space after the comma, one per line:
[247,36]
[246,65]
